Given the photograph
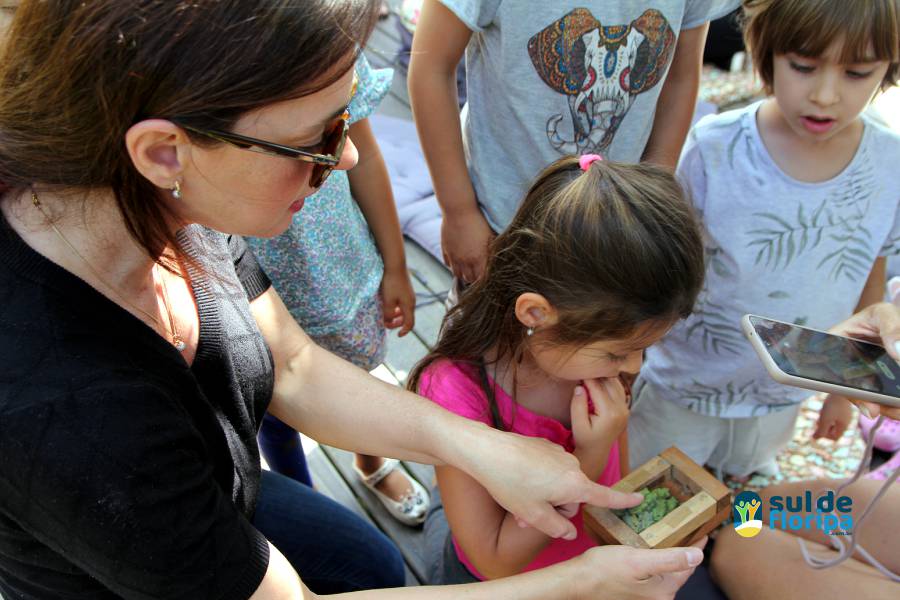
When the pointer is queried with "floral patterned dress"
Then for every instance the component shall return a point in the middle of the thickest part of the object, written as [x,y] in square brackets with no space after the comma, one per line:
[326,266]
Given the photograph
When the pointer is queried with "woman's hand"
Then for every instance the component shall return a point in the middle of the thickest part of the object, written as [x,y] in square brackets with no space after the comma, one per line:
[399,300]
[879,323]
[626,573]
[534,479]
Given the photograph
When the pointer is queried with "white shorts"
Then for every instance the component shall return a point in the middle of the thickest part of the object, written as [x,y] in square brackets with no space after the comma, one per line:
[730,446]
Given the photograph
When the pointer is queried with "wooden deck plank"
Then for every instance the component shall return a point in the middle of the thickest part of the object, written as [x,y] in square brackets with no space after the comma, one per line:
[431,281]
[328,481]
[435,275]
[424,474]
[430,311]
[429,277]
[381,51]
[410,540]
[402,354]
[396,103]
[394,106]
[386,29]
[399,94]
[385,374]
[393,373]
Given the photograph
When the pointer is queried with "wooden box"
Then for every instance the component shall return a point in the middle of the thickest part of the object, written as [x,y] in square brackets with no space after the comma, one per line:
[705,502]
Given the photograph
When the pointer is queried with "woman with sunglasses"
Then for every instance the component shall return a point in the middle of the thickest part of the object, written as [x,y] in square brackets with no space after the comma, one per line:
[141,348]
[340,269]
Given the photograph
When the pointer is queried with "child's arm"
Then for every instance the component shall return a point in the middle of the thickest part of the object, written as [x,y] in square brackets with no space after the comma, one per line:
[596,432]
[438,46]
[677,99]
[490,536]
[837,411]
[873,291]
[371,188]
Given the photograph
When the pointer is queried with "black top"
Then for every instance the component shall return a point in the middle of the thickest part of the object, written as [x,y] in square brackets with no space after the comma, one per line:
[123,471]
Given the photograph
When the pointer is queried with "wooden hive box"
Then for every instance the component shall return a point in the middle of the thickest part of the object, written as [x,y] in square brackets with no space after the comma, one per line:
[705,502]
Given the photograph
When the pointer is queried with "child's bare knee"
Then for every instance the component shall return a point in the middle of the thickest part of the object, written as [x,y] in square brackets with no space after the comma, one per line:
[724,559]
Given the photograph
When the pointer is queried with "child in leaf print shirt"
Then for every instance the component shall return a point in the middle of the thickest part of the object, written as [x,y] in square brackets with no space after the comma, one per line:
[799,198]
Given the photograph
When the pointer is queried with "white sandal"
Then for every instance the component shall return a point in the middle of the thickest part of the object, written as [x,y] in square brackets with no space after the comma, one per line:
[409,510]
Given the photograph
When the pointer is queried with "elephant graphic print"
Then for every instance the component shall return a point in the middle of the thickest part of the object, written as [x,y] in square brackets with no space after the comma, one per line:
[548,79]
[599,70]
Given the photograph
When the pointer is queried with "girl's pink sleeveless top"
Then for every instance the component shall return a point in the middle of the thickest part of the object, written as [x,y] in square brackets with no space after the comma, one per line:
[455,387]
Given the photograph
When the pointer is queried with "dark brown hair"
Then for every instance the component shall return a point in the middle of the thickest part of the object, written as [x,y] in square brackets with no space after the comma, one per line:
[74,76]
[611,249]
[809,27]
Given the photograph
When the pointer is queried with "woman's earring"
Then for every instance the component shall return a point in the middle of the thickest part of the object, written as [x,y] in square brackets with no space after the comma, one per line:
[176,190]
[530,331]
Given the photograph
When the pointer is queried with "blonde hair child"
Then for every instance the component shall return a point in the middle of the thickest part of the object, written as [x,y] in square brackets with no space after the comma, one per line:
[799,201]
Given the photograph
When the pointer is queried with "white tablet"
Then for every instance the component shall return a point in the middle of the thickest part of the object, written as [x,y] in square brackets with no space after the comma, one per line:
[824,362]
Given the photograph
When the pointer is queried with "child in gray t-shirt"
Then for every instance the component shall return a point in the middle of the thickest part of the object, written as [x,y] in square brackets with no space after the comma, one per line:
[546,79]
[799,197]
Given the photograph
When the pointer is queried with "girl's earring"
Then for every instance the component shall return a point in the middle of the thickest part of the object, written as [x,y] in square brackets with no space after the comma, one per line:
[529,332]
[176,190]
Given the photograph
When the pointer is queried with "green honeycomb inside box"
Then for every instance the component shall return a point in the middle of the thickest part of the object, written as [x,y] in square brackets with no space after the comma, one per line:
[657,504]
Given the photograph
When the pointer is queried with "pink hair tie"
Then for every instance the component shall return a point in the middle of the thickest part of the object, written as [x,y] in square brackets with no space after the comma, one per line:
[586,160]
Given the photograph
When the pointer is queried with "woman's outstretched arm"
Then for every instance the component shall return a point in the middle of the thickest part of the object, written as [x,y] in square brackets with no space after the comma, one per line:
[337,403]
[605,573]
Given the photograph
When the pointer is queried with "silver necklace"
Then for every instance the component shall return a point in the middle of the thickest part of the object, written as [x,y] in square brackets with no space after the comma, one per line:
[177,340]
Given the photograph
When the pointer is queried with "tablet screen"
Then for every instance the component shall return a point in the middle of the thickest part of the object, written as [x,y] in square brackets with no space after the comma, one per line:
[829,358]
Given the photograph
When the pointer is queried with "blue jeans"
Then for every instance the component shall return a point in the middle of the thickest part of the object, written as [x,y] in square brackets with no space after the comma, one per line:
[332,548]
[444,566]
[281,447]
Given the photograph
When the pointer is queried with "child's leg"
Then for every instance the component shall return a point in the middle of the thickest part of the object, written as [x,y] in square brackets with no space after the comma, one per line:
[887,437]
[750,570]
[656,424]
[738,562]
[363,344]
[755,443]
[281,447]
[404,498]
[879,534]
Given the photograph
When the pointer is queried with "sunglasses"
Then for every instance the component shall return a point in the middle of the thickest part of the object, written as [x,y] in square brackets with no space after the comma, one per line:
[324,156]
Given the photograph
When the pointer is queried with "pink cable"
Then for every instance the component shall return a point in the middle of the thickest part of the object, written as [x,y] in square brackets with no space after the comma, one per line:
[845,552]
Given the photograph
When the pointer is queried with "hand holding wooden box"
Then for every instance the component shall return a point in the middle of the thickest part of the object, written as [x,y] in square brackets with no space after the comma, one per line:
[705,502]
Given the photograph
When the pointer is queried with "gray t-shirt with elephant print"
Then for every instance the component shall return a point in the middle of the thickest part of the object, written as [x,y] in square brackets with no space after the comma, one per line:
[546,79]
[794,251]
